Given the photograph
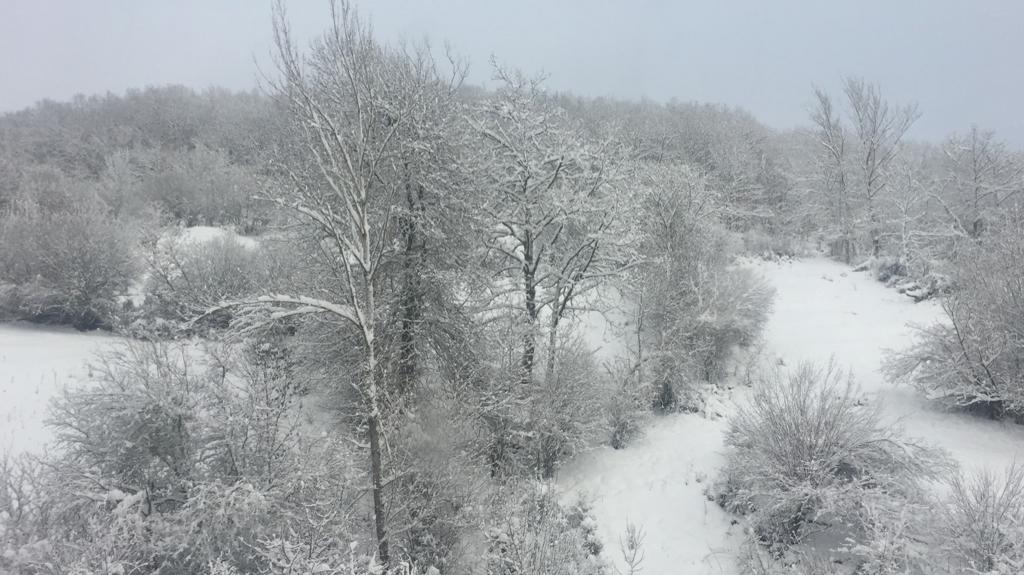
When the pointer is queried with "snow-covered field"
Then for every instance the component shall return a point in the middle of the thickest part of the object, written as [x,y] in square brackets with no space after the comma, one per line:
[35,362]
[822,310]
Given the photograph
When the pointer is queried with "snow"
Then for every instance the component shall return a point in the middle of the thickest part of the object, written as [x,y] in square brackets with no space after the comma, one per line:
[658,484]
[204,234]
[822,310]
[35,363]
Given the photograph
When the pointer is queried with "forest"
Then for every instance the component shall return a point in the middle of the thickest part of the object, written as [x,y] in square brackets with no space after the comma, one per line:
[354,316]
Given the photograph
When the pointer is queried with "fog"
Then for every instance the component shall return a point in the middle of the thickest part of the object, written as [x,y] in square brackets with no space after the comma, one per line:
[960,61]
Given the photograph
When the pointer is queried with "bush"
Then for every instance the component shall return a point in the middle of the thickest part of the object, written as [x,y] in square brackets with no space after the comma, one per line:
[566,410]
[534,534]
[443,491]
[696,332]
[189,273]
[66,266]
[890,269]
[24,511]
[983,525]
[166,466]
[806,455]
[533,428]
[735,319]
[769,246]
[626,406]
[974,359]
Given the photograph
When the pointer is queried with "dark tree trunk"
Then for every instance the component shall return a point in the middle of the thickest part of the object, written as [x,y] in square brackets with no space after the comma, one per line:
[411,299]
[530,289]
[376,473]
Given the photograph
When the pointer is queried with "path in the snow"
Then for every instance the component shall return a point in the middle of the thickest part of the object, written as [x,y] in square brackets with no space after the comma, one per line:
[822,310]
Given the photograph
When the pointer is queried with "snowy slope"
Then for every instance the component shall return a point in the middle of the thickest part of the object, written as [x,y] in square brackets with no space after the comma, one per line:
[35,362]
[823,309]
[658,484]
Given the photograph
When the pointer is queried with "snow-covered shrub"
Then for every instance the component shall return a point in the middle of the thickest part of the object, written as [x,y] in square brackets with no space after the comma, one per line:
[806,454]
[189,273]
[175,458]
[974,358]
[695,332]
[889,269]
[138,422]
[694,307]
[626,406]
[918,278]
[762,244]
[739,308]
[441,487]
[65,266]
[542,424]
[983,524]
[895,539]
[566,409]
[24,511]
[886,269]
[532,428]
[532,533]
[754,559]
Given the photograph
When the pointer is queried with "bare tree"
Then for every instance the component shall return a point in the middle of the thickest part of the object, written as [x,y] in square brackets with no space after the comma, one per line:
[352,103]
[982,176]
[832,138]
[552,211]
[879,128]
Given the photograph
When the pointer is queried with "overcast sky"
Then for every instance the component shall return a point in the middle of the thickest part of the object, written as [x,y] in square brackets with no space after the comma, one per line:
[961,60]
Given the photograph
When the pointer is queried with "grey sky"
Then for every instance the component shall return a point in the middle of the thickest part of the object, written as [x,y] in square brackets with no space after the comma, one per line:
[962,61]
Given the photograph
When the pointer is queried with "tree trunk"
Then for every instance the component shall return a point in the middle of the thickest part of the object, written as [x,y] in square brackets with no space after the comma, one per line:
[376,473]
[552,343]
[410,304]
[373,423]
[639,342]
[530,289]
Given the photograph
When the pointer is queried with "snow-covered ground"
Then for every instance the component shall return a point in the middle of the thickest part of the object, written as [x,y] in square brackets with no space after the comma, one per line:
[35,362]
[822,310]
[204,234]
[658,483]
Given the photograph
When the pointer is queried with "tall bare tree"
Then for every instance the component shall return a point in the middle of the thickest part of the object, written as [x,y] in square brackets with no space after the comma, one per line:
[879,128]
[982,176]
[551,208]
[832,138]
[350,182]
